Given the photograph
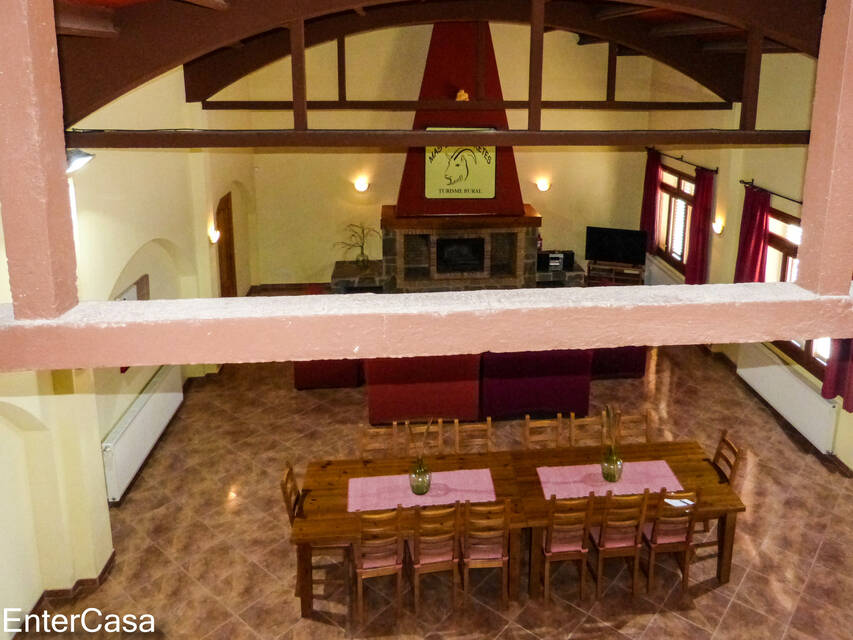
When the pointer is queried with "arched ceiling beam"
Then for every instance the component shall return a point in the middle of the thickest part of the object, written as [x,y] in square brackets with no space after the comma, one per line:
[155,35]
[210,74]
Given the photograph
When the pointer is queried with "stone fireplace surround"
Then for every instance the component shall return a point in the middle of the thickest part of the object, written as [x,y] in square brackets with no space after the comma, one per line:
[409,260]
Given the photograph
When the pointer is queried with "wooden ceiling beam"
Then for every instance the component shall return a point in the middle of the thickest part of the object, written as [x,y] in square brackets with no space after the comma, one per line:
[79,20]
[690,28]
[218,5]
[613,13]
[223,138]
[739,46]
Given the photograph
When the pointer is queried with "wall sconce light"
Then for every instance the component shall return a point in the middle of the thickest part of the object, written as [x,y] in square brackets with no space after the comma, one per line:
[213,234]
[543,184]
[361,184]
[76,159]
[718,225]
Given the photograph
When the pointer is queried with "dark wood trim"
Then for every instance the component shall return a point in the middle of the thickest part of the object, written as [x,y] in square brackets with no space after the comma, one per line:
[802,358]
[787,218]
[782,244]
[672,262]
[82,584]
[612,59]
[623,12]
[681,174]
[534,91]
[83,20]
[285,289]
[691,28]
[229,138]
[751,80]
[455,105]
[342,69]
[297,66]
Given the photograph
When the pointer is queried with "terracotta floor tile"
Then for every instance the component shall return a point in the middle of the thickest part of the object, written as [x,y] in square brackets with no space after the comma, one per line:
[667,624]
[768,595]
[829,585]
[553,620]
[701,605]
[812,619]
[593,629]
[741,622]
[626,613]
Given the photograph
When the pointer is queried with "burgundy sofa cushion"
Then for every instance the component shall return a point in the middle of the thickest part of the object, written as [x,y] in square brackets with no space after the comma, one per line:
[619,362]
[326,374]
[423,387]
[536,382]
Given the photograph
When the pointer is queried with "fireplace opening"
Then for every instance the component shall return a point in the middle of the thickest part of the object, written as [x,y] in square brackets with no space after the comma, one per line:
[460,255]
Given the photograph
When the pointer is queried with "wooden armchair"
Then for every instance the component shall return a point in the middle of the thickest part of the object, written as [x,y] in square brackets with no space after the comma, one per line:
[620,534]
[672,531]
[542,434]
[293,505]
[379,551]
[379,442]
[485,542]
[566,536]
[473,437]
[435,546]
[424,438]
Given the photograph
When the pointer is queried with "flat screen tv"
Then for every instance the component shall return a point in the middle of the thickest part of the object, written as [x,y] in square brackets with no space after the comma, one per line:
[615,245]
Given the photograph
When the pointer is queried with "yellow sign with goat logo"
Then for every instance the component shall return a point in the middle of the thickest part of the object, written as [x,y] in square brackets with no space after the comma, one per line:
[460,172]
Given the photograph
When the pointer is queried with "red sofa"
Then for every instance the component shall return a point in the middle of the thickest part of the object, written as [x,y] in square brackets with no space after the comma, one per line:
[423,387]
[619,362]
[326,374]
[536,382]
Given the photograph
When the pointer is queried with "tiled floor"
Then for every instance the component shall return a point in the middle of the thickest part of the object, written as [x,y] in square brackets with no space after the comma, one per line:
[202,540]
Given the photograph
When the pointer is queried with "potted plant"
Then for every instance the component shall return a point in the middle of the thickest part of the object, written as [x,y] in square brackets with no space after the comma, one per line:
[358,235]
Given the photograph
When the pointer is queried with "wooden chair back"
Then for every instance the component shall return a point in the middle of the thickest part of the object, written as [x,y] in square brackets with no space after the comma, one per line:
[473,437]
[437,531]
[623,518]
[542,434]
[486,530]
[585,432]
[633,427]
[425,438]
[676,515]
[727,457]
[379,545]
[568,521]
[379,442]
[291,493]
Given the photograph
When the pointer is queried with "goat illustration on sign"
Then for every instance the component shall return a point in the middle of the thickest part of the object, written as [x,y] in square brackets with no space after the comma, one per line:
[460,172]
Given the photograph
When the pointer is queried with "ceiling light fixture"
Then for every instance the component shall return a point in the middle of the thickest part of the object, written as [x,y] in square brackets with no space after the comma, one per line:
[361,184]
[76,159]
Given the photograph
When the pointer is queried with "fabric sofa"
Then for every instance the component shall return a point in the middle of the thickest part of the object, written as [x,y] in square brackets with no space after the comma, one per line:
[327,374]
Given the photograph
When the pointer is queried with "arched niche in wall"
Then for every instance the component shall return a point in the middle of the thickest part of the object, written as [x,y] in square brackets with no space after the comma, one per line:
[170,273]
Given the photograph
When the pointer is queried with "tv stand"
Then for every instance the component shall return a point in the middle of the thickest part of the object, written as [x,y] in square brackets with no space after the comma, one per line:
[600,274]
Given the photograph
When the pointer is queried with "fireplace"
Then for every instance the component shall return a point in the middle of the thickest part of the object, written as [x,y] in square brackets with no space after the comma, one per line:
[461,252]
[460,255]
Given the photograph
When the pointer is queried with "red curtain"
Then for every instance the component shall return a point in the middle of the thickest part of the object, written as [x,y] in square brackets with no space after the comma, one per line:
[752,248]
[649,210]
[838,379]
[696,267]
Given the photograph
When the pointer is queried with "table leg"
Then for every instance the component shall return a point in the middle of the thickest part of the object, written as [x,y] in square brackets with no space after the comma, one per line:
[725,545]
[305,578]
[535,585]
[514,563]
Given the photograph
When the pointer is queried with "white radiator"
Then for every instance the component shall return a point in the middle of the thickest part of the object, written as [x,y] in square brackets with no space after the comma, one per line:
[134,435]
[797,401]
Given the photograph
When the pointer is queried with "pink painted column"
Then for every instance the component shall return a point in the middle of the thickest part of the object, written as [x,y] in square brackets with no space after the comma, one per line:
[826,257]
[33,187]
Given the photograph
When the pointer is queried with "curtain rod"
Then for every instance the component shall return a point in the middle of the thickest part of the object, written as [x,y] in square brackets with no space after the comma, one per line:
[751,183]
[681,159]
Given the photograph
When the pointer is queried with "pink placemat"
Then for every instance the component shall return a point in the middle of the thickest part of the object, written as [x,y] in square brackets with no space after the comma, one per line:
[577,481]
[386,492]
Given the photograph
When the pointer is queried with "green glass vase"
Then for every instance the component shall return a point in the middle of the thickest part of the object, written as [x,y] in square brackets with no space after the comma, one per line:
[611,464]
[420,477]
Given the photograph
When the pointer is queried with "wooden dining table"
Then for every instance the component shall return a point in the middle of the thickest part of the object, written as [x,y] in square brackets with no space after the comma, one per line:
[323,518]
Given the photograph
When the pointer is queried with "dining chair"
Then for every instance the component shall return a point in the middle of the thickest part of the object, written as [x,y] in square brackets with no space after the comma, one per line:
[726,463]
[542,434]
[378,551]
[620,534]
[473,437]
[293,505]
[672,531]
[566,536]
[633,427]
[379,442]
[435,546]
[425,438]
[585,432]
[485,542]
